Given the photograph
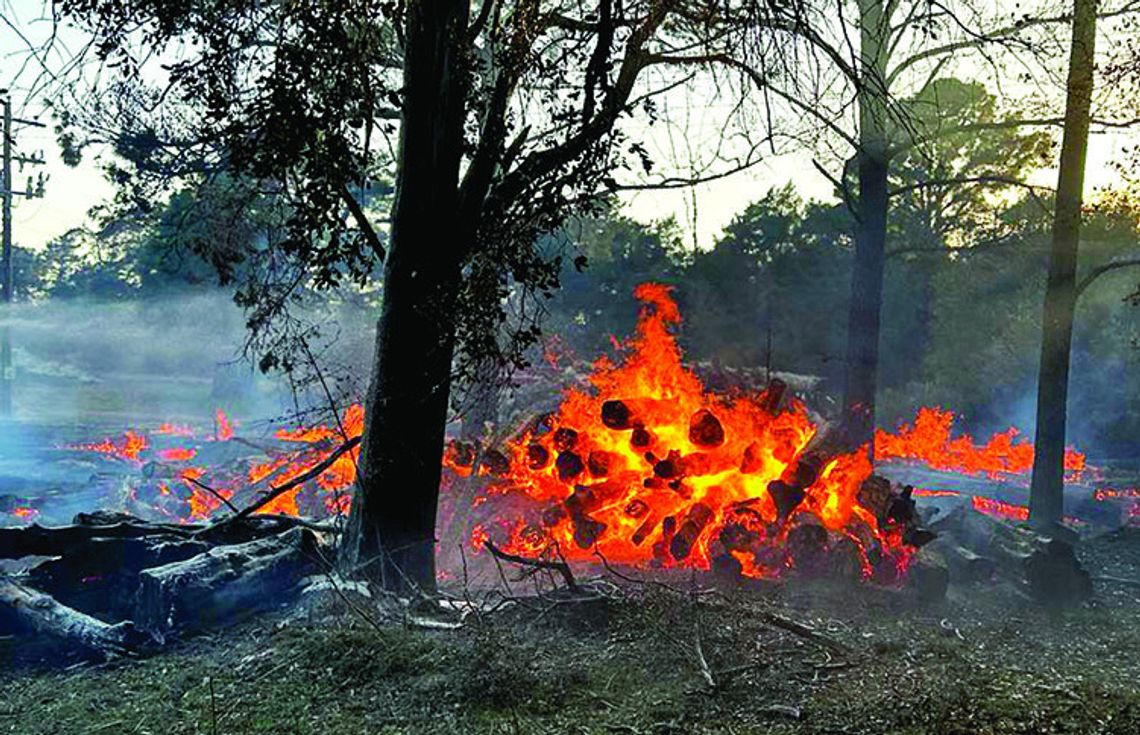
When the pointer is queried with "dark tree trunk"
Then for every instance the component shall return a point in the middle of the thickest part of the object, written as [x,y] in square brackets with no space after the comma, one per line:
[392,537]
[866,302]
[864,311]
[1047,492]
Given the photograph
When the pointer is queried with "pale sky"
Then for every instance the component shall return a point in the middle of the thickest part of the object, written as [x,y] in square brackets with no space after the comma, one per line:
[72,192]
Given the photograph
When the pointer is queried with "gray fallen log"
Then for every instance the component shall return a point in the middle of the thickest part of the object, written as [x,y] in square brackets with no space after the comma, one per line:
[36,540]
[25,611]
[224,584]
[1047,568]
[101,576]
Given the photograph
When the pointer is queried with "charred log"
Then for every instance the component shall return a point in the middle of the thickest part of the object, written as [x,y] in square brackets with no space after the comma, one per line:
[26,611]
[616,415]
[705,429]
[690,529]
[224,584]
[569,465]
[101,577]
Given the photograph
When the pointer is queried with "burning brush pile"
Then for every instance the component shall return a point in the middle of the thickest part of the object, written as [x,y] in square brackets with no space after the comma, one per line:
[649,468]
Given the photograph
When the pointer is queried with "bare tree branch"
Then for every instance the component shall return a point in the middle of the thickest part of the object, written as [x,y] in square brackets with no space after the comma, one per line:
[1100,270]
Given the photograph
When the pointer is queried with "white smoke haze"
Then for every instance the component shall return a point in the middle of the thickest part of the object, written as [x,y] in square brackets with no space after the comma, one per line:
[86,371]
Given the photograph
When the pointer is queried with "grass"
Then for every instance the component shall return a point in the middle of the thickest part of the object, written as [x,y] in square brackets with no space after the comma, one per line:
[981,662]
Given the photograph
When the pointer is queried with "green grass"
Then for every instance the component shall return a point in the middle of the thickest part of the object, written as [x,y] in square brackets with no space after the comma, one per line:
[976,664]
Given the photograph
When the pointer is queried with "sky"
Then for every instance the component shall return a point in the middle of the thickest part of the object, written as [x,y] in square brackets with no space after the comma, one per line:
[72,192]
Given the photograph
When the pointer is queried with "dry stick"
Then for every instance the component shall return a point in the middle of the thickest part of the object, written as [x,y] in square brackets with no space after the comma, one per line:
[212,491]
[779,621]
[702,662]
[560,567]
[1117,580]
[213,707]
[336,415]
[316,471]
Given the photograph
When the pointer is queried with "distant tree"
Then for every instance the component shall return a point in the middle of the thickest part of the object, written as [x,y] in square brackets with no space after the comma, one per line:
[596,301]
[770,289]
[855,65]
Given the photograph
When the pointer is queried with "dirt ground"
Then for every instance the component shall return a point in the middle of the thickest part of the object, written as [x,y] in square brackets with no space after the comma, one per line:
[986,660]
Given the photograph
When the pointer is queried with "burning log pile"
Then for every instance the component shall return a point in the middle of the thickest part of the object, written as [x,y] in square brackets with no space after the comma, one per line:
[652,468]
[153,579]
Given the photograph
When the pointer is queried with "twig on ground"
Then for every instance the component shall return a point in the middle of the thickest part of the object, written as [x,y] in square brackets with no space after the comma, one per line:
[779,621]
[1105,579]
[535,564]
[702,663]
[212,491]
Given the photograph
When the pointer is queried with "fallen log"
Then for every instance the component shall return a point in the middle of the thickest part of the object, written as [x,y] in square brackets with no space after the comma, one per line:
[929,575]
[101,577]
[224,584]
[966,566]
[1047,567]
[24,610]
[36,540]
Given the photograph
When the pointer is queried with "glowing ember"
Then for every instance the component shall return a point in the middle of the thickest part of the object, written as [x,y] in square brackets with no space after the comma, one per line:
[24,513]
[921,492]
[650,468]
[1110,493]
[129,448]
[225,430]
[168,429]
[177,454]
[992,507]
[928,440]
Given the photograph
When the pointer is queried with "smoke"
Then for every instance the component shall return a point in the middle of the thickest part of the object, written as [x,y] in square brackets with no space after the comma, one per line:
[1101,420]
[87,370]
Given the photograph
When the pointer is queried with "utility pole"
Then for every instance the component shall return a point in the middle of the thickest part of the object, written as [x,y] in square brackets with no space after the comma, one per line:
[7,372]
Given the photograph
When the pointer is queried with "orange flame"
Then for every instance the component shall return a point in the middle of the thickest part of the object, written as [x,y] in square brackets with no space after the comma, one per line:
[129,448]
[649,467]
[992,507]
[225,430]
[177,454]
[928,440]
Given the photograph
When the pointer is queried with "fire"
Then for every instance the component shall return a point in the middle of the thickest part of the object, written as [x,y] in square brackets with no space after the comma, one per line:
[648,467]
[928,440]
[182,494]
[225,430]
[177,454]
[921,492]
[128,448]
[992,507]
[169,429]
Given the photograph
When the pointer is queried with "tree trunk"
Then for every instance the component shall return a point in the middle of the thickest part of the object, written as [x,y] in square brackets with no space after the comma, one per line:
[871,233]
[392,537]
[1047,491]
